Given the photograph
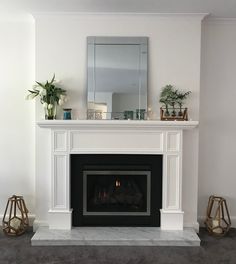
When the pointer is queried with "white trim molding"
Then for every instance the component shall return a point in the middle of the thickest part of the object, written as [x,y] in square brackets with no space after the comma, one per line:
[117,124]
[117,137]
[196,16]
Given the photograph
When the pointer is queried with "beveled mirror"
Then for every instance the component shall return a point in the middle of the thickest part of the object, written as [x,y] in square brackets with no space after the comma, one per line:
[117,77]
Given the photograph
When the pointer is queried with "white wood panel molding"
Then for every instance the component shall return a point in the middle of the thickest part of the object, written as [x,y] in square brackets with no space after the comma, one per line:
[59,182]
[173,183]
[173,141]
[107,141]
[60,219]
[117,137]
[59,141]
[172,220]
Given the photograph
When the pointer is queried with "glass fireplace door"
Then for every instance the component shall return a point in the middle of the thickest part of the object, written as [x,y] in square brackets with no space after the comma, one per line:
[116,192]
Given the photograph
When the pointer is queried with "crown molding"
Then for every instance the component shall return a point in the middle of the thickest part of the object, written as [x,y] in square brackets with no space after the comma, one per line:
[198,16]
[16,16]
[220,20]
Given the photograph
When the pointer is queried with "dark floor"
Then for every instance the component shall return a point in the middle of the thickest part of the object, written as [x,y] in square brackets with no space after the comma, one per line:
[213,251]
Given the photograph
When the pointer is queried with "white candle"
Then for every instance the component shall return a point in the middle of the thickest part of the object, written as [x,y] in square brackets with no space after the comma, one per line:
[15,223]
[215,224]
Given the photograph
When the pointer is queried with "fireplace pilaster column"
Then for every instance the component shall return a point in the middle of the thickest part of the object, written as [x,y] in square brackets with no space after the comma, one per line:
[171,212]
[60,212]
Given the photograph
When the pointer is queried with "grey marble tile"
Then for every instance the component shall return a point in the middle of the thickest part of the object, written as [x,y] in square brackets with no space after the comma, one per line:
[114,236]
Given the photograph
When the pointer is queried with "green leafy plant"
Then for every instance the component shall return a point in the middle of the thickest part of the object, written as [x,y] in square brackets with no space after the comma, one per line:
[181,97]
[170,97]
[166,97]
[50,96]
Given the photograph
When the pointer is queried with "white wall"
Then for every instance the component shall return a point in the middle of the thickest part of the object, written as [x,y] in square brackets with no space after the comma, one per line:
[217,154]
[174,58]
[174,46]
[17,164]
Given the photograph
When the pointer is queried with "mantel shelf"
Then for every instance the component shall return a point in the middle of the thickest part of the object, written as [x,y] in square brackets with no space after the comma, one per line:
[117,124]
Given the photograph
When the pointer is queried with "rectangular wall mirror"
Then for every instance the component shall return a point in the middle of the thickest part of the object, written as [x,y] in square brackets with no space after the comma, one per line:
[117,77]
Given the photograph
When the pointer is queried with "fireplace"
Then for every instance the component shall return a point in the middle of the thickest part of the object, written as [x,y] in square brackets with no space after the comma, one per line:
[116,190]
[78,145]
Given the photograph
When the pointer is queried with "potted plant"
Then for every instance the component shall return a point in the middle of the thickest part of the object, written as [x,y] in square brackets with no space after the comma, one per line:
[166,97]
[50,96]
[171,97]
[173,101]
[181,97]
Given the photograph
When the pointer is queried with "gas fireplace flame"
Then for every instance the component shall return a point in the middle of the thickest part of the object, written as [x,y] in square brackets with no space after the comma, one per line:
[117,183]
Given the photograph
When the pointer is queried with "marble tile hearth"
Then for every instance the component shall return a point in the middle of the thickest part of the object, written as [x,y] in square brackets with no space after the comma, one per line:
[115,236]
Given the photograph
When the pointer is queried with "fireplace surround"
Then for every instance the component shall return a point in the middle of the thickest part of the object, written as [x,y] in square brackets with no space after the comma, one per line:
[117,137]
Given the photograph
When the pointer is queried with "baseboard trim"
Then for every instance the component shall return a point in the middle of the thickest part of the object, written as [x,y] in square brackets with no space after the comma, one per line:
[38,223]
[195,226]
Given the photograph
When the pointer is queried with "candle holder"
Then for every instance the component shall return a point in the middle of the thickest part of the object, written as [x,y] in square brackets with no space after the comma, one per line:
[217,219]
[15,220]
[174,114]
[67,113]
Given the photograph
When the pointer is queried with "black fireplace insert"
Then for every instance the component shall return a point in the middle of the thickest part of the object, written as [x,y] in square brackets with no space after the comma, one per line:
[116,190]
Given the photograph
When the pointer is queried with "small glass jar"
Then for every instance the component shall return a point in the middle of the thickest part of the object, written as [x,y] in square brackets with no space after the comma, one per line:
[140,114]
[129,115]
[67,113]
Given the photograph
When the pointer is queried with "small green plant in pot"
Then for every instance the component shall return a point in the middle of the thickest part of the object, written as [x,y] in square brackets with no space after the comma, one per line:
[173,102]
[181,97]
[166,97]
[50,96]
[170,97]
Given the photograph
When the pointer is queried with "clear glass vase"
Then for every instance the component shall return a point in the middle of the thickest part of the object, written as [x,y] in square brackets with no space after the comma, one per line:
[51,111]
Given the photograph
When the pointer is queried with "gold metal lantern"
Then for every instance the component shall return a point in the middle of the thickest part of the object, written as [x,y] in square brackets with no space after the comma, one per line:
[15,220]
[217,219]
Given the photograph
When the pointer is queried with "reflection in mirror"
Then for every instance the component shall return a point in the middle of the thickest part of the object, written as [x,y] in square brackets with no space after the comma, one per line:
[117,77]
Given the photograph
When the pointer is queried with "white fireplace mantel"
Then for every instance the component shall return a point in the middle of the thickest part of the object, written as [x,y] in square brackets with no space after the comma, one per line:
[116,124]
[117,137]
